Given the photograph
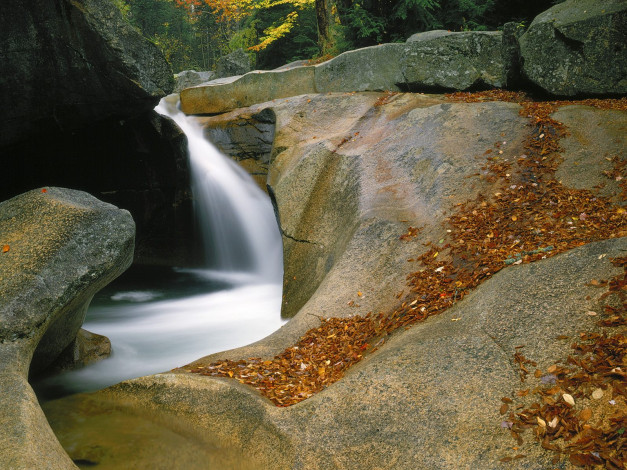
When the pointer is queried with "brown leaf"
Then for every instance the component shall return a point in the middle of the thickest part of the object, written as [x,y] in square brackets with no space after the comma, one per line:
[585,414]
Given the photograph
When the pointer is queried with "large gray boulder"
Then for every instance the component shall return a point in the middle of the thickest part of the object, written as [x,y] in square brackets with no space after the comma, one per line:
[454,61]
[59,248]
[139,164]
[66,63]
[189,78]
[578,47]
[235,63]
[79,85]
[435,60]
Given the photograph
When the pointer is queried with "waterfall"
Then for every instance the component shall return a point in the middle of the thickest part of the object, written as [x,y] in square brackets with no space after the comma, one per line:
[235,216]
[161,318]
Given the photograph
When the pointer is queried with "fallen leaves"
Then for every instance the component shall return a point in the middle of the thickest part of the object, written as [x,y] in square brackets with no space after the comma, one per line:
[5,248]
[583,412]
[320,358]
[411,233]
[530,217]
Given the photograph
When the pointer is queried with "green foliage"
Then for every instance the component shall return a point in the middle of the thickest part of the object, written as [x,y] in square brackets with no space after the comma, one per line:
[123,6]
[374,21]
[195,33]
[362,27]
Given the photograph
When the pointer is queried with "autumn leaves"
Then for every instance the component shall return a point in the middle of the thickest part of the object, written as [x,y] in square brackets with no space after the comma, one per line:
[530,216]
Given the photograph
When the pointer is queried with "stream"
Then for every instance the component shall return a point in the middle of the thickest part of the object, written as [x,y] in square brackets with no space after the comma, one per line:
[160,318]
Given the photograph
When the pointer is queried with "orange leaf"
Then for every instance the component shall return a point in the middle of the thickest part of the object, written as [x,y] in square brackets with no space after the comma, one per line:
[5,248]
[44,190]
[585,414]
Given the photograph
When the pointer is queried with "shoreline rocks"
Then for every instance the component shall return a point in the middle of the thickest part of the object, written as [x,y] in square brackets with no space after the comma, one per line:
[60,247]
[576,48]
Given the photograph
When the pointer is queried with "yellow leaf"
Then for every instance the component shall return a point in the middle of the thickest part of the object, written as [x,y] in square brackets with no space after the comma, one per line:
[514,218]
[230,373]
[436,254]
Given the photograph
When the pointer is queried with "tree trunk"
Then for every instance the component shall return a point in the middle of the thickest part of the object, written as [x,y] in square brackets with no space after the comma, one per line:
[323,17]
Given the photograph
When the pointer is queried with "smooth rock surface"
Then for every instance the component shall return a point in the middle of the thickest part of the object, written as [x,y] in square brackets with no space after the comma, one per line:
[86,349]
[349,173]
[429,399]
[375,68]
[240,91]
[578,47]
[64,246]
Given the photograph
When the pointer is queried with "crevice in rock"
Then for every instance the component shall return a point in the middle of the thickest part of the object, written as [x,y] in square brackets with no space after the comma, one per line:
[299,240]
[507,354]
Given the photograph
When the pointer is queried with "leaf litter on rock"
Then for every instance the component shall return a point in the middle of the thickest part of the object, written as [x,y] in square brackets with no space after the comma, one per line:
[590,418]
[531,217]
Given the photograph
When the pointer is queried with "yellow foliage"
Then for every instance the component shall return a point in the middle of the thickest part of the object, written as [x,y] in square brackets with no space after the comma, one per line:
[273,33]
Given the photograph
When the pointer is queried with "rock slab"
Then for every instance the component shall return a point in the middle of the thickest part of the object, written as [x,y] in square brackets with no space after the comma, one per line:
[189,78]
[59,247]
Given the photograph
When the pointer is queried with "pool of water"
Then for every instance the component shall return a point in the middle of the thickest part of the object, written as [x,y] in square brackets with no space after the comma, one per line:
[161,318]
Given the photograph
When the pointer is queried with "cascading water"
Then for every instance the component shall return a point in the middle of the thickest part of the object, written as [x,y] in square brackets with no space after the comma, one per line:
[158,319]
[236,218]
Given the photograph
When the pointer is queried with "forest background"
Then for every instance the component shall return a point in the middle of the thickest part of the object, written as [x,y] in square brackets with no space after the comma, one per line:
[193,34]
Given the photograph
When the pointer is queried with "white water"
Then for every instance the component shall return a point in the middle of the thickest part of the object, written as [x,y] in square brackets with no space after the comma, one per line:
[236,218]
[186,314]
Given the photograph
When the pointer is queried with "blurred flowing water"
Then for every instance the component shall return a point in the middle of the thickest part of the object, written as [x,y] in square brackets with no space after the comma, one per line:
[161,318]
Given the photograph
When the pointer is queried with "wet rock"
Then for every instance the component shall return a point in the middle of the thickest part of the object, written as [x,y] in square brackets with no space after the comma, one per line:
[63,246]
[86,349]
[246,138]
[79,86]
[139,164]
[348,180]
